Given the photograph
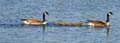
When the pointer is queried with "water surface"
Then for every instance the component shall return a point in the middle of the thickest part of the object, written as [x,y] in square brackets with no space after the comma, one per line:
[12,30]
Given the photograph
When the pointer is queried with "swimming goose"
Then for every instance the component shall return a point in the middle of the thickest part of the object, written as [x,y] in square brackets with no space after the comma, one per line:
[97,23]
[35,21]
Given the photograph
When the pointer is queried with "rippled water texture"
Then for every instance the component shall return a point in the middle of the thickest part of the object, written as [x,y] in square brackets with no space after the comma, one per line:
[13,31]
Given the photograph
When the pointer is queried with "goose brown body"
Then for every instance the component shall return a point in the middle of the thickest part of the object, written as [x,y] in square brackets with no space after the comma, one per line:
[97,23]
[35,21]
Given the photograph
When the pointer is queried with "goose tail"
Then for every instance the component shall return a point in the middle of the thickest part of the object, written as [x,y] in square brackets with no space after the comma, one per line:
[88,21]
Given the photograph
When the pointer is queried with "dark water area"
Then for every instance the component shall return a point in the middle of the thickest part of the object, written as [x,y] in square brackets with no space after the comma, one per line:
[13,31]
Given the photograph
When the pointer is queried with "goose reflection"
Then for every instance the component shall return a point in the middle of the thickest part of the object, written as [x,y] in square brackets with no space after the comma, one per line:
[44,27]
[99,28]
[108,31]
[43,33]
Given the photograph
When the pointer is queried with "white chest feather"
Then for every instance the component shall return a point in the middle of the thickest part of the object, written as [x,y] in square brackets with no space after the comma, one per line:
[44,22]
[108,23]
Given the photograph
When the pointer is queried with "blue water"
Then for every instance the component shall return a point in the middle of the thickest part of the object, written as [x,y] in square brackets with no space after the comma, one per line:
[12,30]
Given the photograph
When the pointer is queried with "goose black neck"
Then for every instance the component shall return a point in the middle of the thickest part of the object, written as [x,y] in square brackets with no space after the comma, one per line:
[107,18]
[43,17]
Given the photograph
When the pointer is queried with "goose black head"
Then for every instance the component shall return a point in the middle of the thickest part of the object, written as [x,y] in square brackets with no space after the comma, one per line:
[46,13]
[110,13]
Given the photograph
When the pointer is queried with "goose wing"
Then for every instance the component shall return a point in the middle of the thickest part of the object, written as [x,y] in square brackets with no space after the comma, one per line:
[31,20]
[96,21]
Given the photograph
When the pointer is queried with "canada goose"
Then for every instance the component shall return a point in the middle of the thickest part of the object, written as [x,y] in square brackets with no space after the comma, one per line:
[97,23]
[35,21]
